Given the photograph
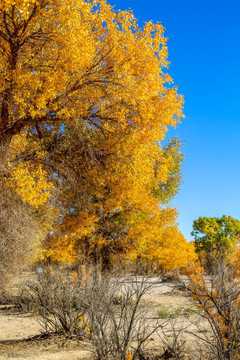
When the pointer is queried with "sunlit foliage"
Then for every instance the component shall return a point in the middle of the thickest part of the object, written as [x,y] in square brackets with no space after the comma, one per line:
[216,236]
[85,103]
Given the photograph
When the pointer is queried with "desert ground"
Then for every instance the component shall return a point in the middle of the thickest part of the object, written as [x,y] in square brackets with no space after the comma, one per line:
[22,337]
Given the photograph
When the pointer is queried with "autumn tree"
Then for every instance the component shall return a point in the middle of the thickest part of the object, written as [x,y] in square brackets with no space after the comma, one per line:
[85,101]
[109,219]
[107,71]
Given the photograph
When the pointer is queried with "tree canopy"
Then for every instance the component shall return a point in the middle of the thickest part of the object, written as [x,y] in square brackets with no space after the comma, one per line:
[86,101]
[216,235]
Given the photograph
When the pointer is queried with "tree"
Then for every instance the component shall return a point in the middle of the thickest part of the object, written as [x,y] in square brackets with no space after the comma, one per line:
[107,71]
[216,236]
[85,103]
[114,214]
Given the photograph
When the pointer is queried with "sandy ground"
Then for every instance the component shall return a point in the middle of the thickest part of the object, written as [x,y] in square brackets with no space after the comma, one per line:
[20,333]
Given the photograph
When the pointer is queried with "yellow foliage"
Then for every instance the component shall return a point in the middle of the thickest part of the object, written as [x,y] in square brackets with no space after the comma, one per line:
[28,179]
[195,272]
[129,357]
[59,249]
[82,66]
[120,72]
[31,184]
[158,239]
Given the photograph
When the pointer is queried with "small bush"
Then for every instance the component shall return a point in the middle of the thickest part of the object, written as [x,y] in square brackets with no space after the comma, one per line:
[169,312]
[58,301]
[119,323]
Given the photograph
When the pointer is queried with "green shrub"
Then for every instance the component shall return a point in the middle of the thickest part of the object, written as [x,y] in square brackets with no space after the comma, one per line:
[169,312]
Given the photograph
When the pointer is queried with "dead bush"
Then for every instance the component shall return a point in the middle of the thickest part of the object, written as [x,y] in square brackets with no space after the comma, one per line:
[172,337]
[21,230]
[119,322]
[57,299]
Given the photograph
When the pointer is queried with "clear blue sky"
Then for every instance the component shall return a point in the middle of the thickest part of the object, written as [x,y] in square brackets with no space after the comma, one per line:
[204,51]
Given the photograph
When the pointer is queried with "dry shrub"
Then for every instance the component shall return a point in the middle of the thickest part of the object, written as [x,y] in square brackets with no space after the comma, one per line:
[58,299]
[172,337]
[120,323]
[218,297]
[21,229]
[108,311]
[19,232]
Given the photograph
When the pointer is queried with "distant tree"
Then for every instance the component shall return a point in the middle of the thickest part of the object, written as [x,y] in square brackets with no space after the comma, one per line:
[216,236]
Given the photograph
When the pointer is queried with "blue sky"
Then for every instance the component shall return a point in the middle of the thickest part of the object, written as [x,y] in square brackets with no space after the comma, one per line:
[204,51]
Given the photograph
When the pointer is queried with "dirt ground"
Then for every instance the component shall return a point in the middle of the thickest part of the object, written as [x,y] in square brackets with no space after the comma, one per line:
[22,338]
